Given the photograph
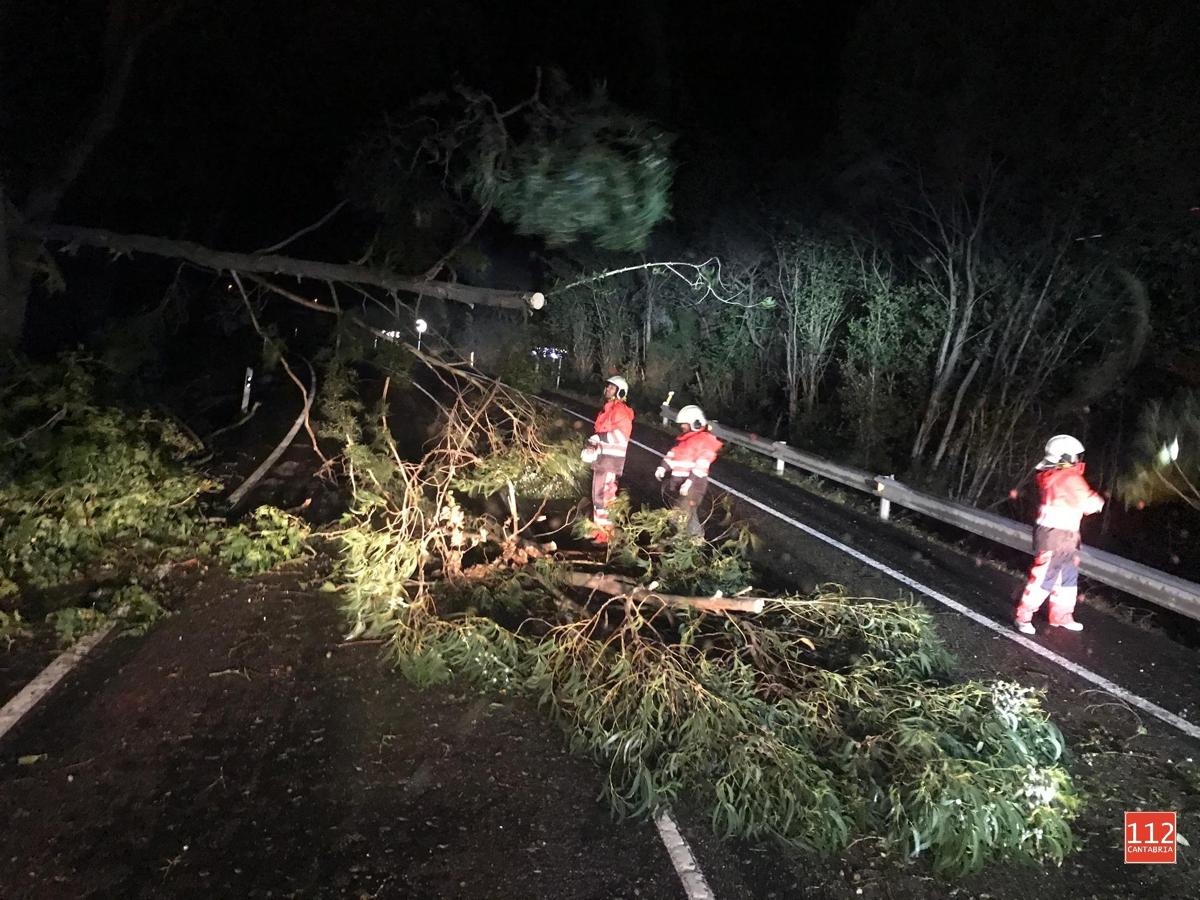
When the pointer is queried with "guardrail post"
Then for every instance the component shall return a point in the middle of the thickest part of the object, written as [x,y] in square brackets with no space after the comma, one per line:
[885,505]
[665,409]
[246,388]
[779,464]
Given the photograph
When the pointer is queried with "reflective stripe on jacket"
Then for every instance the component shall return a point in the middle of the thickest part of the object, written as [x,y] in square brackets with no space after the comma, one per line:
[1066,498]
[614,427]
[693,453]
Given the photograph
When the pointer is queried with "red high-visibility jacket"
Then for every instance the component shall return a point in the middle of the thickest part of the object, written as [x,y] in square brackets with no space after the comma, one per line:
[1066,498]
[693,453]
[614,427]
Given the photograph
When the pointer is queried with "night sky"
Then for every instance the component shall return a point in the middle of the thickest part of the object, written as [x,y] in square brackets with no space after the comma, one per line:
[239,114]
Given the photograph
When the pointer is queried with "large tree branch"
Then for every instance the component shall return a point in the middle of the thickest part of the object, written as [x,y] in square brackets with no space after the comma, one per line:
[616,585]
[269,264]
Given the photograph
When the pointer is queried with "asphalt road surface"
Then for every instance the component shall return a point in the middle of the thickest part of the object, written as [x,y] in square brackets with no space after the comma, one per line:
[242,749]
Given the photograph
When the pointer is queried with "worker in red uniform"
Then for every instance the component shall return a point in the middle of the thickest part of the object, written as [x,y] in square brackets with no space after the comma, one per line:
[606,450]
[688,463]
[1066,498]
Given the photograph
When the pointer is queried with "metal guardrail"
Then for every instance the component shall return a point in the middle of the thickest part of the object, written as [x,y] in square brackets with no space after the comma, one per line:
[1160,588]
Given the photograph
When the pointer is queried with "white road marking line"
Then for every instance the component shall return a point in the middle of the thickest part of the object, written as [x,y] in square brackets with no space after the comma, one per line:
[682,859]
[41,685]
[1190,729]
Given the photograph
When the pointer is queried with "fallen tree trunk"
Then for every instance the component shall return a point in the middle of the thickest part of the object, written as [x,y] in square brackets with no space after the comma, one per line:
[615,585]
[271,264]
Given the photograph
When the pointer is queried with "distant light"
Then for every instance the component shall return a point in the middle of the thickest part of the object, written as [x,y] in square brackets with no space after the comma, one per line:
[537,301]
[1169,452]
[422,326]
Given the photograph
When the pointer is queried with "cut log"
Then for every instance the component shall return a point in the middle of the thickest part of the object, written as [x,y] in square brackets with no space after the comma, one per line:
[616,585]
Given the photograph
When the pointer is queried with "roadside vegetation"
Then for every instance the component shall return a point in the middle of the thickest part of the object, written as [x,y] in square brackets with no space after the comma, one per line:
[99,502]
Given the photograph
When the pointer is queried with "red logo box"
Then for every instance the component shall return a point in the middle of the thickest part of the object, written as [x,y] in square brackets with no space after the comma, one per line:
[1149,837]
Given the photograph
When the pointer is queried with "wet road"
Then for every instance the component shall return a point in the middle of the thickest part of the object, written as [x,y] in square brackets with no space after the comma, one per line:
[241,749]
[1149,664]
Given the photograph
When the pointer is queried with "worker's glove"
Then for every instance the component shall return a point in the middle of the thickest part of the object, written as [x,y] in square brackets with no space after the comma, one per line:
[594,439]
[685,487]
[590,454]
[660,473]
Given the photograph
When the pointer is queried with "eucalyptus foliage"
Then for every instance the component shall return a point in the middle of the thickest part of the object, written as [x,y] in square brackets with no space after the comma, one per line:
[561,166]
[557,472]
[821,721]
[827,720]
[656,544]
[586,170]
[824,720]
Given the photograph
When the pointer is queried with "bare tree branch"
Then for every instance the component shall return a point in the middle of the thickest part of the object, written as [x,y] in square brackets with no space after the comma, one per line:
[307,229]
[264,467]
[287,368]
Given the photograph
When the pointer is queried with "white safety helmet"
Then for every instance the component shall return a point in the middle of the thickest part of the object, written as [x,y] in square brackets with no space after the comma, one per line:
[691,415]
[1063,449]
[620,384]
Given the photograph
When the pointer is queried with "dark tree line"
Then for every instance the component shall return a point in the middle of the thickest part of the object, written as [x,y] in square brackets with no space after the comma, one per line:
[1000,236]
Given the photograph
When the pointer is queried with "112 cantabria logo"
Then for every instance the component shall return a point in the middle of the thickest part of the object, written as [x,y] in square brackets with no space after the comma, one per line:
[1150,837]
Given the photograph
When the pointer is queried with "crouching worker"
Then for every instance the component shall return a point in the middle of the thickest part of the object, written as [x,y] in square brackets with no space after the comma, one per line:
[1066,498]
[688,463]
[606,450]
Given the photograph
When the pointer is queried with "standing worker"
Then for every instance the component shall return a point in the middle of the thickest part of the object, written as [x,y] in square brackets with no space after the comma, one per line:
[606,452]
[1066,498]
[688,462]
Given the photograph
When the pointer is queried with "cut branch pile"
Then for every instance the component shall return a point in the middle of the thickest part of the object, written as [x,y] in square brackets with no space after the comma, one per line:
[99,503]
[814,721]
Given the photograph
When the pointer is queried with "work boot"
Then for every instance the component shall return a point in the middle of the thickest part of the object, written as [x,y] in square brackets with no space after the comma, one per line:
[1069,624]
[1025,627]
